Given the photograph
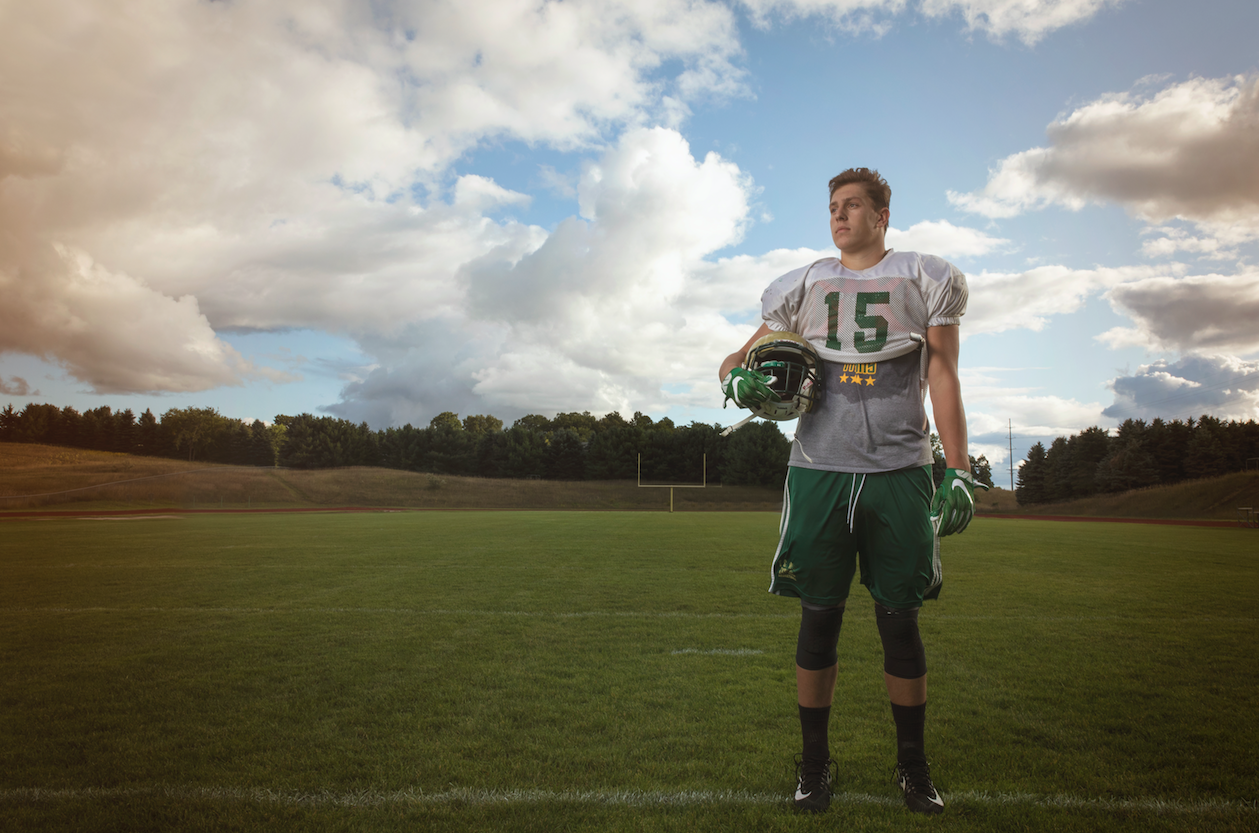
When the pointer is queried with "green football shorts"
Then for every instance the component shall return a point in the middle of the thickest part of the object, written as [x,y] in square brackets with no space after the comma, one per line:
[832,522]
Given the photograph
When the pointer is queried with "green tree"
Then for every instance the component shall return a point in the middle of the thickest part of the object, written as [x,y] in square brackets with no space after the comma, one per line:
[1031,477]
[565,456]
[482,424]
[525,453]
[446,419]
[938,464]
[192,431]
[583,424]
[981,469]
[1127,466]
[149,439]
[613,453]
[757,456]
[533,422]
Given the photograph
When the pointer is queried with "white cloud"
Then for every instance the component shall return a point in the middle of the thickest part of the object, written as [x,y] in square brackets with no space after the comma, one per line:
[111,330]
[940,237]
[987,412]
[1211,241]
[1029,20]
[1199,313]
[16,386]
[1190,151]
[245,165]
[1222,386]
[1001,301]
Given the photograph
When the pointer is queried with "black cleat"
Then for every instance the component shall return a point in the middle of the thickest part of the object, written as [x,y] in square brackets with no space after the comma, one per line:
[914,778]
[813,784]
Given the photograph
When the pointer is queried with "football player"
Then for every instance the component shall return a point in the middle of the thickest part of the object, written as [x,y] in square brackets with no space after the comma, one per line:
[859,491]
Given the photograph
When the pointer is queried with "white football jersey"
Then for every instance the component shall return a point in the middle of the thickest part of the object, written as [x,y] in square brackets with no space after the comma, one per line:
[869,327]
[870,315]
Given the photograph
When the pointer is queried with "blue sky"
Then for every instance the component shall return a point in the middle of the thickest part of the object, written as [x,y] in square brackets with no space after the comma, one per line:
[384,211]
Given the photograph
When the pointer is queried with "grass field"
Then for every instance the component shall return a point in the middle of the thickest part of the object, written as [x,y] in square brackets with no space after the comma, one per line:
[603,671]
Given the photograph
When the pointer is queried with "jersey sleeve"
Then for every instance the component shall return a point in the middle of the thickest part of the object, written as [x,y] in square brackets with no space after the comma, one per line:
[945,291]
[782,300]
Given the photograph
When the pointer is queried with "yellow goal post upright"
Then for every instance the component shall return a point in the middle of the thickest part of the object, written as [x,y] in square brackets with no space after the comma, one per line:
[671,487]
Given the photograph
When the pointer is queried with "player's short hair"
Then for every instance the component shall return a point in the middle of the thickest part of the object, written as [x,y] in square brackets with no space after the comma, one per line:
[877,189]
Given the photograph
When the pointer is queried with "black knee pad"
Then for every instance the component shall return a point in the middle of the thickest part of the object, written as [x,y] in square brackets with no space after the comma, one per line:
[819,633]
[903,654]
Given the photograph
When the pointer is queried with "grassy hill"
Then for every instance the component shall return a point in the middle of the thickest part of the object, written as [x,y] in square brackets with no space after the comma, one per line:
[1215,498]
[52,477]
[67,478]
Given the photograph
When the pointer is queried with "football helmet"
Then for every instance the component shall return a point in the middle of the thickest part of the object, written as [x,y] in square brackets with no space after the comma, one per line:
[793,364]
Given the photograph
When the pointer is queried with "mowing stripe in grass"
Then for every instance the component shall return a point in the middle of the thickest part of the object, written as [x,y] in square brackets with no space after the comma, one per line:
[610,614]
[721,652]
[620,798]
[402,611]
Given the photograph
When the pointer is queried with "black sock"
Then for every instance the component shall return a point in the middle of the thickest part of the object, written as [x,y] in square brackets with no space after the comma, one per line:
[910,723]
[813,724]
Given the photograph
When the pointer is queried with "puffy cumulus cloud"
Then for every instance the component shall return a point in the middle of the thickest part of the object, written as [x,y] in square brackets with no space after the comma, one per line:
[615,305]
[1001,301]
[1189,151]
[1222,386]
[987,412]
[733,285]
[940,237]
[113,331]
[1028,20]
[256,165]
[16,386]
[997,397]
[849,15]
[1199,313]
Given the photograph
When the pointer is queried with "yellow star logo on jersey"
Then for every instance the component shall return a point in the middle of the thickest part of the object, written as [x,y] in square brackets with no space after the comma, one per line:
[869,380]
[856,380]
[843,378]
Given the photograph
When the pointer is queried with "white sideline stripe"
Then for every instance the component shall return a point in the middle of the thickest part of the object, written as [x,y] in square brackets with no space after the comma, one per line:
[721,652]
[608,614]
[582,614]
[614,798]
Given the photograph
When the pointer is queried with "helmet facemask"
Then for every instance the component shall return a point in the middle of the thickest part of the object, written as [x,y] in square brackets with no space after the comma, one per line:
[793,364]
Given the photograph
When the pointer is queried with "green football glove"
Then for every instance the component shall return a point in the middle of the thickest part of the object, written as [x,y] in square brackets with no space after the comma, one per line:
[747,388]
[953,504]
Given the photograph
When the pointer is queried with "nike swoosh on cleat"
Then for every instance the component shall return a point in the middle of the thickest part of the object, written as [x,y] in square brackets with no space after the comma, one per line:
[801,796]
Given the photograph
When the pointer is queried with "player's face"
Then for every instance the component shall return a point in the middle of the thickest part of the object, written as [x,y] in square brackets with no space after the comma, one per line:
[855,225]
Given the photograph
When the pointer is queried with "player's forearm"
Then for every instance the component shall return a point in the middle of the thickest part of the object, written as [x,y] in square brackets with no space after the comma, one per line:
[950,421]
[736,358]
[943,344]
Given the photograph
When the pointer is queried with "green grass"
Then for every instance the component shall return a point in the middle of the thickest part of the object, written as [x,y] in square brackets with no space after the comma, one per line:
[604,671]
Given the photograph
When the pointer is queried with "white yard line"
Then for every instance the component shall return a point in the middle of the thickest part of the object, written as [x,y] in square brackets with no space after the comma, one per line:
[599,614]
[611,798]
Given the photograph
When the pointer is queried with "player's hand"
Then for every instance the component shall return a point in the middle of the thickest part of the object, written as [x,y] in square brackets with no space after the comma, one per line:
[953,504]
[747,388]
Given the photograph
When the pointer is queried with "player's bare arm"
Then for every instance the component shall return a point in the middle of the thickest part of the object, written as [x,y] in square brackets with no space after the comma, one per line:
[953,504]
[943,347]
[737,358]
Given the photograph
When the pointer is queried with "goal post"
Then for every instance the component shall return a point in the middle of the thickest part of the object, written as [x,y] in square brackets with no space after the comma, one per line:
[671,487]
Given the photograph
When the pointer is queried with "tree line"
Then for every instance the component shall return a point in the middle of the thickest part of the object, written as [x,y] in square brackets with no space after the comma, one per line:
[1137,455]
[572,446]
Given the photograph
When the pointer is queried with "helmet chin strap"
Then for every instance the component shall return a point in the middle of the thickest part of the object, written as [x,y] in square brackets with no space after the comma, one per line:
[738,425]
